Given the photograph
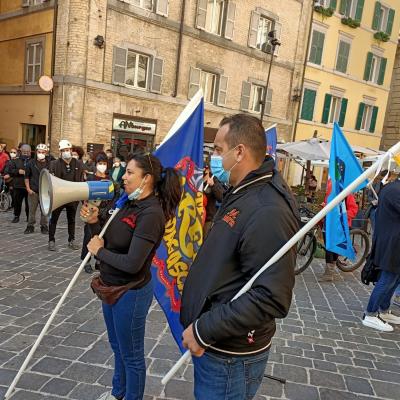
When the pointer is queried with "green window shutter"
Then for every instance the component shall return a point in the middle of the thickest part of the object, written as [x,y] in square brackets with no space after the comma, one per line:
[377,16]
[307,111]
[343,110]
[373,119]
[343,56]
[359,10]
[333,4]
[389,25]
[343,6]
[360,114]
[326,109]
[367,71]
[317,46]
[382,69]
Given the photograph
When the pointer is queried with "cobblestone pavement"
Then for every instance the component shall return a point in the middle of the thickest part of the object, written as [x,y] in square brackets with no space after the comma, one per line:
[321,348]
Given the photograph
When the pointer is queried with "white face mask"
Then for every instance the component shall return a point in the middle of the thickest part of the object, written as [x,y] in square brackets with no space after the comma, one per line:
[137,192]
[101,168]
[13,155]
[116,164]
[40,156]
[66,155]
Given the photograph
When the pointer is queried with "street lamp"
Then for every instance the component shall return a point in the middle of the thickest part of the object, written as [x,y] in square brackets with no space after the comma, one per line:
[268,47]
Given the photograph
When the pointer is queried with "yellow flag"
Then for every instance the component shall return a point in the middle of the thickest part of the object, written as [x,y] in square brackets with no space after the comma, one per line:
[397,159]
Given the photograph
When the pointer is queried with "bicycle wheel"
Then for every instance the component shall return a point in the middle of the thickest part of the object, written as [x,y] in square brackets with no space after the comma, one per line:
[305,252]
[4,201]
[360,241]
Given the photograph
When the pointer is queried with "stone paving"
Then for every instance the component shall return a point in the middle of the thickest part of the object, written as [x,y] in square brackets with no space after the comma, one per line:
[320,348]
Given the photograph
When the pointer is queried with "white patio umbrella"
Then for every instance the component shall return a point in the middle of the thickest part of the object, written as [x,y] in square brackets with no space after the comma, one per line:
[310,150]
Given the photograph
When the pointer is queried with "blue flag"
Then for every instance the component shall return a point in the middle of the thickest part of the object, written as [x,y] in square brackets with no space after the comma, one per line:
[182,149]
[344,168]
[272,140]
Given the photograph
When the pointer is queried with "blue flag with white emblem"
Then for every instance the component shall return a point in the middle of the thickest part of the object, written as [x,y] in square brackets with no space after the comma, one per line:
[344,168]
[182,149]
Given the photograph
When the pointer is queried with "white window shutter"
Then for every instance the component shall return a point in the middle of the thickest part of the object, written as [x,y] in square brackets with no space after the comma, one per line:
[162,7]
[278,34]
[26,3]
[253,31]
[268,104]
[230,21]
[119,66]
[245,97]
[201,14]
[157,72]
[194,81]
[222,90]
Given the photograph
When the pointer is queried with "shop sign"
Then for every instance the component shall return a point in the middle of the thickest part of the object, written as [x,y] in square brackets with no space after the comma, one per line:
[128,125]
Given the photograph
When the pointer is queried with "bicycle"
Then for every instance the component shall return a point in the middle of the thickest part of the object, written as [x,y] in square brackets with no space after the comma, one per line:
[307,246]
[5,197]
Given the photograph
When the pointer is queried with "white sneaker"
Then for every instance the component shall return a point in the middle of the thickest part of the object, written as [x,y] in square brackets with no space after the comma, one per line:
[389,317]
[377,323]
[107,396]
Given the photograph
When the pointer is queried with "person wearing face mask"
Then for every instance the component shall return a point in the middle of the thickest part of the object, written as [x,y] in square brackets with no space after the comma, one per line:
[16,170]
[117,172]
[125,256]
[32,173]
[68,168]
[7,176]
[99,175]
[3,158]
[230,341]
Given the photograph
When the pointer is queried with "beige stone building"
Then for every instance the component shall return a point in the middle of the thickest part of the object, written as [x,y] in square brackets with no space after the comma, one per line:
[391,127]
[124,70]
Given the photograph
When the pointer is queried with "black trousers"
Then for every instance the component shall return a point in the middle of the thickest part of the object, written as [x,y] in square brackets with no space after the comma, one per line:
[86,239]
[19,195]
[70,208]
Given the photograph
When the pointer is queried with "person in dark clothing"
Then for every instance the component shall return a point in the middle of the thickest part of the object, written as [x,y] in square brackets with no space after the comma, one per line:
[230,341]
[117,172]
[213,190]
[32,173]
[16,170]
[7,177]
[385,255]
[125,257]
[69,169]
[109,159]
[101,174]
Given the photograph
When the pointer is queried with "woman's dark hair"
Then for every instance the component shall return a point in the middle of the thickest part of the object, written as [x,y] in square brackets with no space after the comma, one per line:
[79,150]
[100,156]
[166,181]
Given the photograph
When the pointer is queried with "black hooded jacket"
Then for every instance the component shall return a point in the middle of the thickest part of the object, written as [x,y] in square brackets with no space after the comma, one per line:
[255,220]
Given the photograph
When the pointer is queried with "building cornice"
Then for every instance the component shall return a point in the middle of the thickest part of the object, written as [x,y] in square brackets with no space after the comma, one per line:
[27,10]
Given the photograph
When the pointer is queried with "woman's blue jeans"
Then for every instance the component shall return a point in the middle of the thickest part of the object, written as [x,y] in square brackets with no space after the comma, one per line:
[125,321]
[218,377]
[382,294]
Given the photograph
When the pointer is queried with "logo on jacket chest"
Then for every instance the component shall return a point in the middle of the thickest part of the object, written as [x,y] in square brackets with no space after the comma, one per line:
[230,217]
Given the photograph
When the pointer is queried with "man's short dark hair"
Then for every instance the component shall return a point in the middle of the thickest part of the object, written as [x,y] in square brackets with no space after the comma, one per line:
[248,130]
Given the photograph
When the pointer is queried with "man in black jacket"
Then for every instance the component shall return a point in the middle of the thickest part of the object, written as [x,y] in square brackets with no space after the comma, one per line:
[16,170]
[258,215]
[69,169]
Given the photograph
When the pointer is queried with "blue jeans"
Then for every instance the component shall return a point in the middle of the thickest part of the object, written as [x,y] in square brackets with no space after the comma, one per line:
[383,292]
[125,321]
[218,377]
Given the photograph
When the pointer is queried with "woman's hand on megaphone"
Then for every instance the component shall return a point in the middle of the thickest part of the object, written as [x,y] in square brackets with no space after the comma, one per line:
[90,213]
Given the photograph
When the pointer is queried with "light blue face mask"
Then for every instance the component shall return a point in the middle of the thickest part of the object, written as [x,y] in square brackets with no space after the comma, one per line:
[217,167]
[137,192]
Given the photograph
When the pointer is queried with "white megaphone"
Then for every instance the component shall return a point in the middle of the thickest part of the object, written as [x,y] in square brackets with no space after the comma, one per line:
[55,192]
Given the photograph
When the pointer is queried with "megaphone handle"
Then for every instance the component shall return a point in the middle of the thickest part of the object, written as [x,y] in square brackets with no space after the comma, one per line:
[55,311]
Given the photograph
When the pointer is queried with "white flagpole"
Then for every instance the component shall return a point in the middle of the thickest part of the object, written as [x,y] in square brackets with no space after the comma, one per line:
[54,313]
[284,249]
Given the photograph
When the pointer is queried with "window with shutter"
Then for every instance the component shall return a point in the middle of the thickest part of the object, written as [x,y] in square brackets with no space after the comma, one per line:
[382,69]
[146,4]
[194,81]
[265,26]
[317,46]
[157,72]
[307,109]
[377,16]
[119,65]
[335,109]
[230,20]
[34,62]
[245,97]
[359,10]
[201,14]
[389,25]
[352,8]
[373,119]
[360,116]
[326,109]
[253,31]
[366,118]
[268,103]
[343,109]
[342,56]
[368,66]
[215,16]
[222,90]
[375,69]
[162,7]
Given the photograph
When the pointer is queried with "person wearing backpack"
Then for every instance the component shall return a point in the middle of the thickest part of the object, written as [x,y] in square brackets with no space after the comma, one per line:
[386,258]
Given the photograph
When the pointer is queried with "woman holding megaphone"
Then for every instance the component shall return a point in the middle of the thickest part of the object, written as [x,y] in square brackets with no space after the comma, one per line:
[124,258]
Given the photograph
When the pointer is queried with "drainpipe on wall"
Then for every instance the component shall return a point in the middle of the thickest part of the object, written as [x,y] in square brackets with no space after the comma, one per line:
[53,62]
[179,51]
[304,69]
